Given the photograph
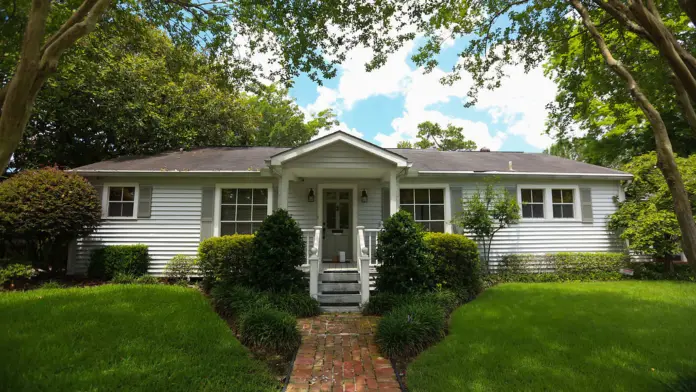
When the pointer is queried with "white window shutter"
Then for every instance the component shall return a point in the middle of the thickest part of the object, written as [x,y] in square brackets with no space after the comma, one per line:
[586,205]
[207,212]
[144,201]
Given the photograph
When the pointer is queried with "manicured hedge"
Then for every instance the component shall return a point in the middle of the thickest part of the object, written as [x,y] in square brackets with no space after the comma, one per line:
[656,271]
[409,329]
[559,267]
[225,258]
[119,259]
[457,264]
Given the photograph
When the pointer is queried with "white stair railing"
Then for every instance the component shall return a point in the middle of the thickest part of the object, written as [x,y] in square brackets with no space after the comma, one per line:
[313,258]
[372,242]
[363,266]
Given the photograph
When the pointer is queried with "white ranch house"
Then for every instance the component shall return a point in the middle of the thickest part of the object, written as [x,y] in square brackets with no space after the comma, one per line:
[340,188]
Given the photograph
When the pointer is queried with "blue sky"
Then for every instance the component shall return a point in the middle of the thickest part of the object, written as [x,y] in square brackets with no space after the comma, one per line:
[386,105]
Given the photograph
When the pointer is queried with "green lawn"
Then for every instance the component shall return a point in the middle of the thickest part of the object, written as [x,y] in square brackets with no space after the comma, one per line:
[612,336]
[121,337]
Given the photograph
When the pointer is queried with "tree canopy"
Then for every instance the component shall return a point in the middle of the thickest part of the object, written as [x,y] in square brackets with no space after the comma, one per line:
[432,135]
[120,93]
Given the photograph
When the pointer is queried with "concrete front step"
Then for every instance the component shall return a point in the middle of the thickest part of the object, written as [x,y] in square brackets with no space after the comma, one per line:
[333,299]
[340,309]
[339,287]
[339,277]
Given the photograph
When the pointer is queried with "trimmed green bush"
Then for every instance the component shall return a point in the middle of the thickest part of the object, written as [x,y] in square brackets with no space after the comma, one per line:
[45,209]
[269,329]
[106,262]
[147,279]
[12,272]
[409,329]
[407,264]
[225,258]
[457,264]
[180,268]
[560,267]
[297,304]
[656,271]
[233,300]
[277,250]
[383,303]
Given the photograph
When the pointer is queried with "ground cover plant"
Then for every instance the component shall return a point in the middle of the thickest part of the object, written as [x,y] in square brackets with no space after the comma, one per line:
[573,336]
[121,337]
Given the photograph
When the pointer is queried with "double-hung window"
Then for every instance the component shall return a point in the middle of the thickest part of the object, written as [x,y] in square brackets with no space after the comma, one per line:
[532,202]
[121,201]
[242,210]
[563,203]
[427,207]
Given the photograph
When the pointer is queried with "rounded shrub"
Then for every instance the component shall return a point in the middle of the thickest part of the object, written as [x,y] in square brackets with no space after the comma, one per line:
[407,264]
[180,267]
[233,300]
[108,261]
[45,210]
[270,330]
[409,329]
[277,250]
[447,300]
[225,258]
[457,264]
[297,304]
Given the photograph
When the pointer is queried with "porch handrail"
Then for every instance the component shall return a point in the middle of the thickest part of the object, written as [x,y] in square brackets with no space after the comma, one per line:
[372,242]
[363,266]
[313,259]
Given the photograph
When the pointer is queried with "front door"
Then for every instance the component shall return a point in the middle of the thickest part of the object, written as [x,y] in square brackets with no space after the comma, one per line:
[337,225]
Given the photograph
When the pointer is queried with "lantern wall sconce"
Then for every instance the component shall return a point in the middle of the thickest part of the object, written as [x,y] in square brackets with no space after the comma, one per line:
[363,196]
[310,195]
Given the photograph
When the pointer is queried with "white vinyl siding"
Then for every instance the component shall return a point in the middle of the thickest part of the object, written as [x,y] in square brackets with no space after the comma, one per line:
[339,155]
[173,228]
[541,236]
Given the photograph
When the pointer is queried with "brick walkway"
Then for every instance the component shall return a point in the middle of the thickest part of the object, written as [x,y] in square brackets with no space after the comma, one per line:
[338,353]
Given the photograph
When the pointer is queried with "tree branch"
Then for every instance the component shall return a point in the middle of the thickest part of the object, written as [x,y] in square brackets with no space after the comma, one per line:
[76,17]
[689,7]
[685,103]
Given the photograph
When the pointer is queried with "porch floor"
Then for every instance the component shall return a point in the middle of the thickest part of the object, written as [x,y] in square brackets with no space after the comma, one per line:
[338,353]
[327,266]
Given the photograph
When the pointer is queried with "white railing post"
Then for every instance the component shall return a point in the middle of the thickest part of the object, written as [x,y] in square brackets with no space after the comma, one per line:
[363,266]
[314,253]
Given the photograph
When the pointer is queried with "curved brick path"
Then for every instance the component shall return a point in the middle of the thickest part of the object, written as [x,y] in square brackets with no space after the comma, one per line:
[338,353]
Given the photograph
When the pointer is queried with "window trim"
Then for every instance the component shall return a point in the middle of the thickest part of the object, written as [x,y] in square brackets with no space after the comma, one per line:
[447,199]
[548,202]
[218,199]
[105,199]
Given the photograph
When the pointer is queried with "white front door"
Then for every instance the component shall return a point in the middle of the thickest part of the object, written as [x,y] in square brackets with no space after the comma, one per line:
[337,225]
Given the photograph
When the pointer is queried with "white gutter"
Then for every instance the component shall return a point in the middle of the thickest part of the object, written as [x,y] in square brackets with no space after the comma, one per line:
[514,173]
[164,172]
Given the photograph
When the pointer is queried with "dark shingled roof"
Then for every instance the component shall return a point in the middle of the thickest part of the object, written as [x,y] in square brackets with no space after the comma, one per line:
[253,158]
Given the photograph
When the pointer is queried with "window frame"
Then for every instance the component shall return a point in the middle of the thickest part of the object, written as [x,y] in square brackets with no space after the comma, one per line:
[217,224]
[447,219]
[548,202]
[574,195]
[105,199]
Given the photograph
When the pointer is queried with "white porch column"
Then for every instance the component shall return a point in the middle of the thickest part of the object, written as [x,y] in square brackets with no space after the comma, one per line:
[283,190]
[393,193]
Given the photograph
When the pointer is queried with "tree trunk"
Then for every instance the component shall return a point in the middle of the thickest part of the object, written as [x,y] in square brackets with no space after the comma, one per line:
[689,6]
[685,103]
[665,156]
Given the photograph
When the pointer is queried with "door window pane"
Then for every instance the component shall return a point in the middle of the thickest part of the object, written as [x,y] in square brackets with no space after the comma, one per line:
[344,216]
[331,222]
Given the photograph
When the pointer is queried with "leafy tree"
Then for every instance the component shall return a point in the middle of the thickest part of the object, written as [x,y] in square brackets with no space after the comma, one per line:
[485,213]
[404,144]
[646,218]
[407,263]
[294,36]
[524,31]
[91,111]
[43,210]
[444,139]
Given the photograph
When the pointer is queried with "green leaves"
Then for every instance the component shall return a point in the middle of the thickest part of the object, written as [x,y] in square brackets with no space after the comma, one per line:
[447,139]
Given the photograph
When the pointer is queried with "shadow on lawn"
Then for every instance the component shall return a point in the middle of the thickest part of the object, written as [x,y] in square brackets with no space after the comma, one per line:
[553,337]
[121,338]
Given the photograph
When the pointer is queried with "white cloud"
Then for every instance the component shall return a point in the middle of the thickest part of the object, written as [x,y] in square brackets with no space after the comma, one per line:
[340,127]
[517,108]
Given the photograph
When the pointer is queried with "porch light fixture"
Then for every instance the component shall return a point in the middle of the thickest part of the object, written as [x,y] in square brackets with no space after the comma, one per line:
[363,196]
[310,195]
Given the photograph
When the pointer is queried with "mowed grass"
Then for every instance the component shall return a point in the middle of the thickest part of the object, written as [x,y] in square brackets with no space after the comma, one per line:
[121,338]
[605,336]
